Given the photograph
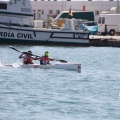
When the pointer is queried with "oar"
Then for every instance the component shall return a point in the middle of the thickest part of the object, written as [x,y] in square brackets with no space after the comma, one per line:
[64,61]
[20,51]
[15,49]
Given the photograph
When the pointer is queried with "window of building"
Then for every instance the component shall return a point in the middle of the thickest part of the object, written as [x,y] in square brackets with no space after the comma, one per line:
[3,6]
[39,10]
[42,11]
[57,11]
[38,14]
[50,12]
[34,14]
[96,12]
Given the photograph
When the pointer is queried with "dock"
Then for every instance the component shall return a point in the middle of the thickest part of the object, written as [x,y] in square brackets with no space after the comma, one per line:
[104,41]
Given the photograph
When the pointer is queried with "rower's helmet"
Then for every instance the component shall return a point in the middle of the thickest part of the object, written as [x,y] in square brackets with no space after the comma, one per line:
[30,51]
[46,54]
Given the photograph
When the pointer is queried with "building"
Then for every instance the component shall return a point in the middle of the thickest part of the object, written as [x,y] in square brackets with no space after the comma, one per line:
[43,8]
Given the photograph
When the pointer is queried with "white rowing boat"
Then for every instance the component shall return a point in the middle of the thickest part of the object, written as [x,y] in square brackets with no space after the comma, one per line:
[67,66]
[62,64]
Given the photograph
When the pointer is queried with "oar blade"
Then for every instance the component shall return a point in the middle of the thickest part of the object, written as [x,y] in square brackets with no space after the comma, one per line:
[12,48]
[15,49]
[63,61]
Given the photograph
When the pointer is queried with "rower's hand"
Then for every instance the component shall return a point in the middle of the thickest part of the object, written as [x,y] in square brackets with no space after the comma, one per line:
[21,56]
[37,57]
[23,52]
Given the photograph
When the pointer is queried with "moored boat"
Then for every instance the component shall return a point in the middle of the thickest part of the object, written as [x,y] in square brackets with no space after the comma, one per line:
[16,27]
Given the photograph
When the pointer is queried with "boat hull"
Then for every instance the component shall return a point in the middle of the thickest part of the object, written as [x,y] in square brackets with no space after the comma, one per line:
[50,37]
[66,66]
[55,66]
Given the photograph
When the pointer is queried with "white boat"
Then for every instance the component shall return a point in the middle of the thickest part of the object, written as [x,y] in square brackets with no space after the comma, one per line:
[66,66]
[16,27]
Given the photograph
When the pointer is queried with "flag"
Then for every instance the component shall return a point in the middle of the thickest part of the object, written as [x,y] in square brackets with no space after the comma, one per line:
[70,12]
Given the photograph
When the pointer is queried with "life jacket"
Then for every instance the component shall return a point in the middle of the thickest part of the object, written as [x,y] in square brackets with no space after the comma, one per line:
[44,60]
[28,61]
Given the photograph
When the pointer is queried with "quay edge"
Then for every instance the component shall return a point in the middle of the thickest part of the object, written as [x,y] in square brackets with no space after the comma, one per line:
[104,41]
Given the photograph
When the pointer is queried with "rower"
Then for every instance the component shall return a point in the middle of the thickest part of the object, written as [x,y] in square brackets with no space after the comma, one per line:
[44,60]
[27,59]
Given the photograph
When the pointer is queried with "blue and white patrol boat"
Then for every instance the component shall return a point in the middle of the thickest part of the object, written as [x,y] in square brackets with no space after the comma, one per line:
[16,27]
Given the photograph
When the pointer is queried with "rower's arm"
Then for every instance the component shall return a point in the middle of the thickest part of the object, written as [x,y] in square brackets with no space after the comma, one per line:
[21,56]
[37,58]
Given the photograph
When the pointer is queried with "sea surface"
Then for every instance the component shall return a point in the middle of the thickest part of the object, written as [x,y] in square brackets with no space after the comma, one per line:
[53,94]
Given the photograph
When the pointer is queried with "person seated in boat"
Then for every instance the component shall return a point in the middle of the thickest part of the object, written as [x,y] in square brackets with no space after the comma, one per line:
[44,60]
[27,59]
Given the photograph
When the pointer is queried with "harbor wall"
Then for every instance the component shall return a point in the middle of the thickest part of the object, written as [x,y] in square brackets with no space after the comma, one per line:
[105,41]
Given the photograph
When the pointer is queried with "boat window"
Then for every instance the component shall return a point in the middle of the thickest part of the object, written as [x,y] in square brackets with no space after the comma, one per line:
[3,6]
[103,20]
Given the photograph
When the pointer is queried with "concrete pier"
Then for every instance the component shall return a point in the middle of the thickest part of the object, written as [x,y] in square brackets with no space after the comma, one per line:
[104,41]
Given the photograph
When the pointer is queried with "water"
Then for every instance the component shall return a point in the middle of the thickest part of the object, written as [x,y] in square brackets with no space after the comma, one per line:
[38,94]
